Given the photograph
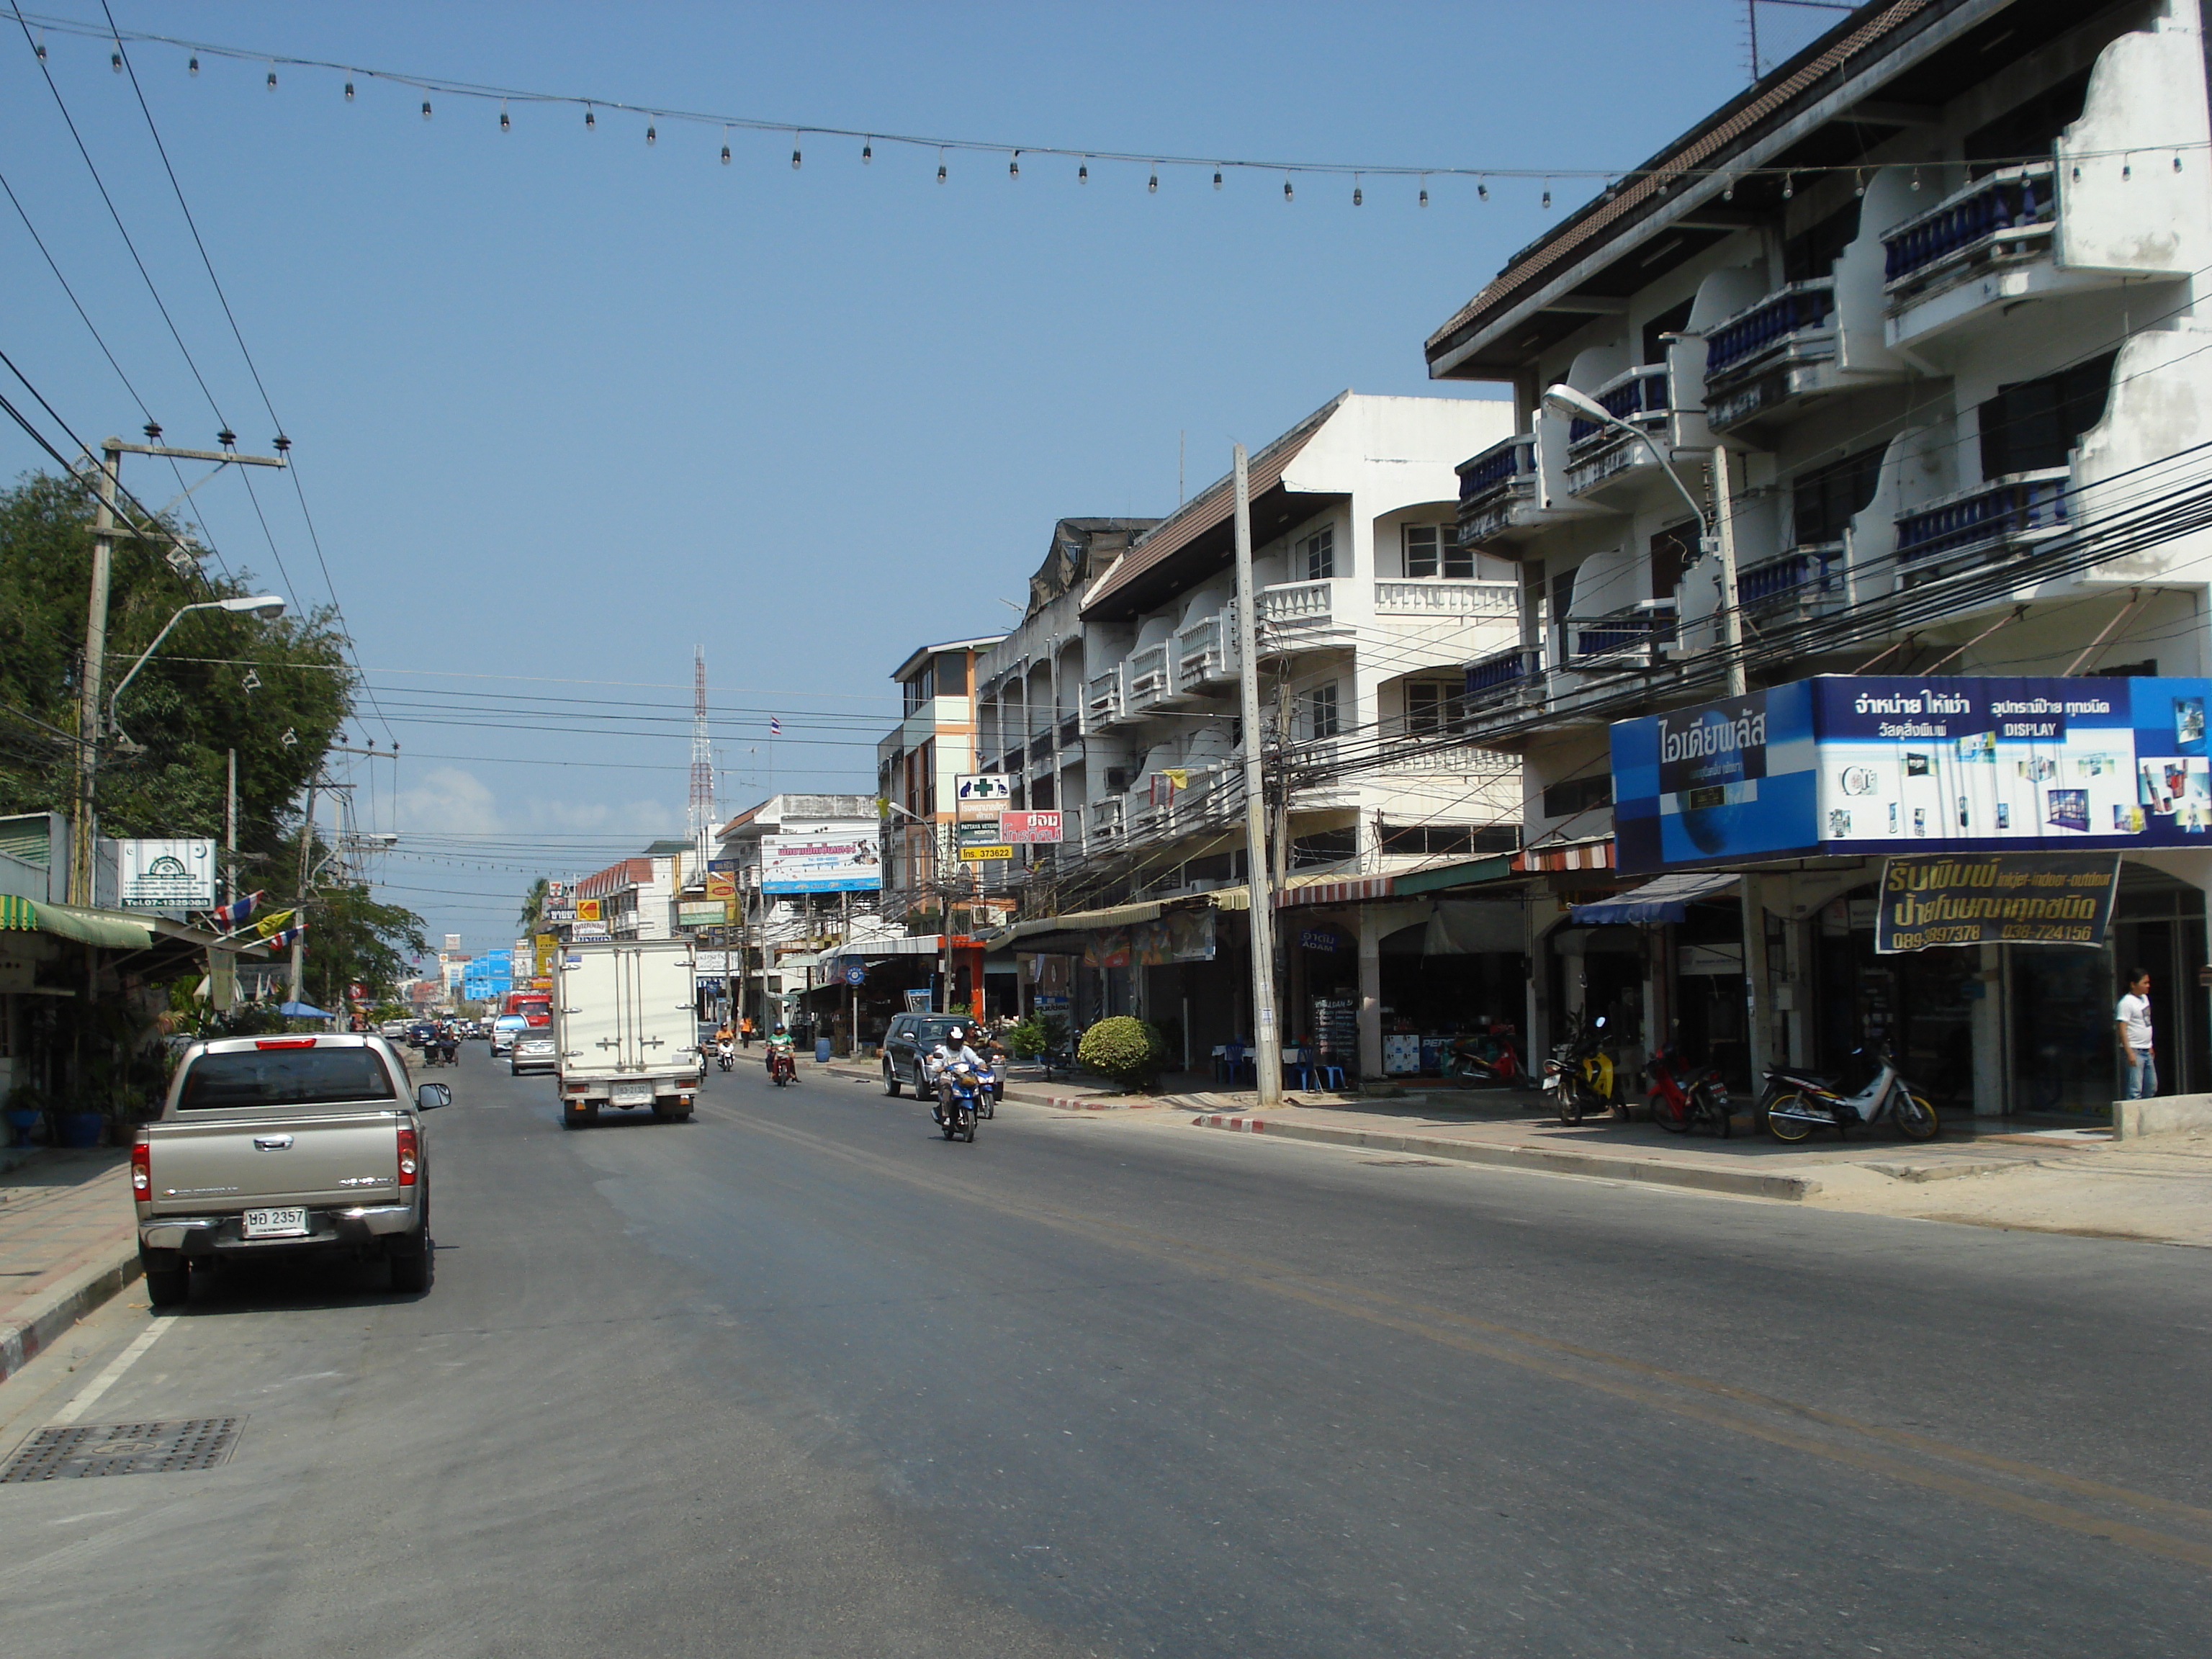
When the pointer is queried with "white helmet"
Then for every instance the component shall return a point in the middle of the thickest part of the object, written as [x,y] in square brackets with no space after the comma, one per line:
[956,1035]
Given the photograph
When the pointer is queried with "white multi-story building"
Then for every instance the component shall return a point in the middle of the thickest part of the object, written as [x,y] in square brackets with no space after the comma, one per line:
[1116,702]
[1936,286]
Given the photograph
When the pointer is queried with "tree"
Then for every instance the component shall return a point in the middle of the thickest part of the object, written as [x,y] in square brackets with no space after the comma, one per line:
[276,691]
[533,907]
[353,938]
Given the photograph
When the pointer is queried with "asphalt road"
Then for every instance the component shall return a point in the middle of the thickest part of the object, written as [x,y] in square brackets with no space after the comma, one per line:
[801,1378]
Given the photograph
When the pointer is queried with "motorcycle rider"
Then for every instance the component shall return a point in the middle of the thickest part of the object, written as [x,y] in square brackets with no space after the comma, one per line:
[778,1042]
[952,1050]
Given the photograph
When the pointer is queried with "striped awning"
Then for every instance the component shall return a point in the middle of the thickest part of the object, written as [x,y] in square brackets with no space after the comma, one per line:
[114,929]
[1574,855]
[1352,889]
[17,914]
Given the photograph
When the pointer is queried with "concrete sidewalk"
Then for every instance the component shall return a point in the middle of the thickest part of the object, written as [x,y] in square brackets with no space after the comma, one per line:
[68,1241]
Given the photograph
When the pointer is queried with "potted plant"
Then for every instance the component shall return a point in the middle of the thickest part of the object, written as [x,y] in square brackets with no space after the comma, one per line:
[1125,1050]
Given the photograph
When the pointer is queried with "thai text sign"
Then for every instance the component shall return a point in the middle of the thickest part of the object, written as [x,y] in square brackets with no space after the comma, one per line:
[1028,828]
[988,792]
[1995,898]
[165,875]
[833,858]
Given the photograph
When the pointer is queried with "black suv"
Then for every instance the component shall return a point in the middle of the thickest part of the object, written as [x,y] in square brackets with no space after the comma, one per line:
[910,1037]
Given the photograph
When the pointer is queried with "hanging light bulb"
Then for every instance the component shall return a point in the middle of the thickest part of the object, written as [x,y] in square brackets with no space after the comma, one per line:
[1481,191]
[2128,168]
[868,151]
[1916,179]
[1083,174]
[115,60]
[39,48]
[1728,191]
[2176,164]
[425,109]
[1547,198]
[505,125]
[1014,166]
[652,134]
[1152,183]
[1288,195]
[349,92]
[1424,196]
[1359,197]
[940,166]
[1789,185]
[191,68]
[725,156]
[590,119]
[794,158]
[1217,178]
[272,78]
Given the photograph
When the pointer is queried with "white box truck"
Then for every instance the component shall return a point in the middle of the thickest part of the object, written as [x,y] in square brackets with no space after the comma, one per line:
[625,1028]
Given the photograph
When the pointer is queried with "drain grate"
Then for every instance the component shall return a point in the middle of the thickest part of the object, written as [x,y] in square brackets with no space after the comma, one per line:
[83,1450]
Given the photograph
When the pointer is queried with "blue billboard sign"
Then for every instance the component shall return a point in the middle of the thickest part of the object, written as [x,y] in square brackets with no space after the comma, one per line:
[1846,765]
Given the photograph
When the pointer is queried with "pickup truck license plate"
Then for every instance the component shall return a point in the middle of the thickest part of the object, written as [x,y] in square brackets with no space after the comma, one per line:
[276,1223]
[633,1094]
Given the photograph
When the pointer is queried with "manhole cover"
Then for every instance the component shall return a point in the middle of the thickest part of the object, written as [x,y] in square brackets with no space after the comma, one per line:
[89,1449]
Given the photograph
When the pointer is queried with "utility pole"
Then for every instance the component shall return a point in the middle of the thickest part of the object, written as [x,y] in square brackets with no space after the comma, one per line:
[230,828]
[84,831]
[306,852]
[1724,551]
[1267,1038]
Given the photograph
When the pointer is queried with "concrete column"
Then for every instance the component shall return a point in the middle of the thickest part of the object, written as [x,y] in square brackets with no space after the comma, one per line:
[1758,993]
[1987,1018]
[1370,993]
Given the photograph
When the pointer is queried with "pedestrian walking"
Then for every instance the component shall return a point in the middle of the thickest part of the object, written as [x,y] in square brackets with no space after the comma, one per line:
[2132,1022]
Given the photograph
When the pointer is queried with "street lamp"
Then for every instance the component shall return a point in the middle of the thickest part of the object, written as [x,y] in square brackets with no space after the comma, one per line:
[265,605]
[1713,530]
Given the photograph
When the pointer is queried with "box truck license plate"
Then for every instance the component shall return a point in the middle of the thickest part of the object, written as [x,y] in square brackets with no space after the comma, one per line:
[633,1094]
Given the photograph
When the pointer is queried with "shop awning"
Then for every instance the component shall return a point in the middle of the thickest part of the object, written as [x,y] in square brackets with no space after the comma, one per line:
[114,929]
[303,1011]
[1069,935]
[1663,900]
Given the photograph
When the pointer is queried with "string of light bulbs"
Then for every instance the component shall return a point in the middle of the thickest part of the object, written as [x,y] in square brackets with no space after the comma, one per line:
[433,87]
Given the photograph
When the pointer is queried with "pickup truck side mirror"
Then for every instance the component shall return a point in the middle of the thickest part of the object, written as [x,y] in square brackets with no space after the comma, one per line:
[431,1096]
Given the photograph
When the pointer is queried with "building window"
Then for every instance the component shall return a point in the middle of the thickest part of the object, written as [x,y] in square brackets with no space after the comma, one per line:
[1434,548]
[1448,839]
[1317,554]
[1823,503]
[1433,705]
[920,689]
[1573,795]
[1317,713]
[1324,847]
[2035,424]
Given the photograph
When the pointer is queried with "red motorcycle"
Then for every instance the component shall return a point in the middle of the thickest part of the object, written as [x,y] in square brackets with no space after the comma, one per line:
[1490,1058]
[781,1067]
[1682,1099]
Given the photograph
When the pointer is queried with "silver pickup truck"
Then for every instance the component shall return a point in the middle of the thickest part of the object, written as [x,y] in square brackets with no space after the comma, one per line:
[285,1143]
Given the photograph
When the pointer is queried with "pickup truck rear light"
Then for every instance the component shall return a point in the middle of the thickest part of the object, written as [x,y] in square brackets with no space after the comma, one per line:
[407,1158]
[142,1169]
[284,1042]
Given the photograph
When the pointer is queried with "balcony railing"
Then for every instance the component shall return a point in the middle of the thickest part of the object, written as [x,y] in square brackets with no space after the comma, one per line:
[1101,703]
[1497,468]
[1069,729]
[1446,598]
[1503,676]
[1206,652]
[1776,322]
[1628,637]
[1148,677]
[1455,760]
[1103,824]
[1639,395]
[2023,509]
[1295,604]
[2009,215]
[1801,576]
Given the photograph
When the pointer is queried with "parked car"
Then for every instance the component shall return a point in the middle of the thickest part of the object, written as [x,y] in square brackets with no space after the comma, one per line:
[502,1032]
[910,1037]
[533,1051]
[289,1144]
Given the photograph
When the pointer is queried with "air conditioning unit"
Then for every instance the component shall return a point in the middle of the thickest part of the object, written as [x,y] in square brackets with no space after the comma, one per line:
[1117,780]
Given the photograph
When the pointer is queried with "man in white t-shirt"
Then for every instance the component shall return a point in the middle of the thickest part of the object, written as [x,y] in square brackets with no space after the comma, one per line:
[2132,1022]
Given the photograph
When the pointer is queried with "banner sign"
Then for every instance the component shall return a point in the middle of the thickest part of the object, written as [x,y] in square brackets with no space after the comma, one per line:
[1030,828]
[980,842]
[588,910]
[711,914]
[164,875]
[711,961]
[1995,898]
[985,791]
[840,858]
[721,884]
[1850,765]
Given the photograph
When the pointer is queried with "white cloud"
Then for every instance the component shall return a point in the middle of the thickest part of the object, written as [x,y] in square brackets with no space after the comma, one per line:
[643,818]
[448,801]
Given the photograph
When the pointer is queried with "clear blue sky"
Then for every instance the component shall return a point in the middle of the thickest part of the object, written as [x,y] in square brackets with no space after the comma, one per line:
[565,405]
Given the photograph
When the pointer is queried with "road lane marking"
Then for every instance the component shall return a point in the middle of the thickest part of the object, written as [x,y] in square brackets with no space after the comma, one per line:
[89,1396]
[1640,1382]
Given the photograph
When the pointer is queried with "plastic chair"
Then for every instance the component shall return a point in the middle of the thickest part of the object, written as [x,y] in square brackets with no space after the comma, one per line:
[1332,1077]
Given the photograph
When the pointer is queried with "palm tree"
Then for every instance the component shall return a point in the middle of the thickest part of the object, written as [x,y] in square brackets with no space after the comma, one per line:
[533,907]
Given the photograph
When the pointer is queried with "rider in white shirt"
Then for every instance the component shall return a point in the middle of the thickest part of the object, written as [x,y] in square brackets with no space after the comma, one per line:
[953,1049]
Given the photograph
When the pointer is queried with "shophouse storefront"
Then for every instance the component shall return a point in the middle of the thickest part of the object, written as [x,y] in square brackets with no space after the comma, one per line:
[1809,805]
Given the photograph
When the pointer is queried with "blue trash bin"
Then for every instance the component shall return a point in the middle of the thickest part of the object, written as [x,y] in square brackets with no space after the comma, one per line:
[822,1051]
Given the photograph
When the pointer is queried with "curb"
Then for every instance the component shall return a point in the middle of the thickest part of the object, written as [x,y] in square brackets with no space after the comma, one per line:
[1546,1160]
[25,1336]
[1024,1095]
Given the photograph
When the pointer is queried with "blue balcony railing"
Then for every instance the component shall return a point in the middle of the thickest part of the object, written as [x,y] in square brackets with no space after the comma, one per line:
[1799,575]
[1753,333]
[1499,675]
[1642,392]
[1639,628]
[2015,204]
[1498,466]
[2027,505]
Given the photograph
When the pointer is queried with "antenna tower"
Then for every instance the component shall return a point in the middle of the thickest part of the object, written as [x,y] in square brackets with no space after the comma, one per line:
[703,764]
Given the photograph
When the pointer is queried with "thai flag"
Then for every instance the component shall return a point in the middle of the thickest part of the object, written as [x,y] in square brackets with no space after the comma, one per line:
[774,726]
[290,936]
[235,913]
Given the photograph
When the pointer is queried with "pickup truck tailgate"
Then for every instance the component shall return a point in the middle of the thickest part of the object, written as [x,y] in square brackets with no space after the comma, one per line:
[200,1168]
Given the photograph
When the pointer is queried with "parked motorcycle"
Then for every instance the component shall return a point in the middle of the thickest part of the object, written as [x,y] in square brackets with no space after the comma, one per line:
[1798,1104]
[964,1093]
[1682,1097]
[1489,1058]
[1580,1076]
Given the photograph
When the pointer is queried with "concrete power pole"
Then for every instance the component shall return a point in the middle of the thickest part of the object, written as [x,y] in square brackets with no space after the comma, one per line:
[306,854]
[1267,1038]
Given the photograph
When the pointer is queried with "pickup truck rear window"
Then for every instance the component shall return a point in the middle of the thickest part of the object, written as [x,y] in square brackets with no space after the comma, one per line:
[284,1077]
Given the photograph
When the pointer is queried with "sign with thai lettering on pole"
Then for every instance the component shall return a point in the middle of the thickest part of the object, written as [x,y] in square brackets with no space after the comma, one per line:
[1848,765]
[1030,828]
[836,857]
[1995,898]
[982,791]
[980,842]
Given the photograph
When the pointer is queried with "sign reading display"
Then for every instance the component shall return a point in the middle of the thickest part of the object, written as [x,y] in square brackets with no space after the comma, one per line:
[1995,898]
[1852,765]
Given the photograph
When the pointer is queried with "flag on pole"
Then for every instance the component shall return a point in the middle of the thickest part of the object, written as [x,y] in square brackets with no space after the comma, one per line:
[774,726]
[289,937]
[269,924]
[235,914]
